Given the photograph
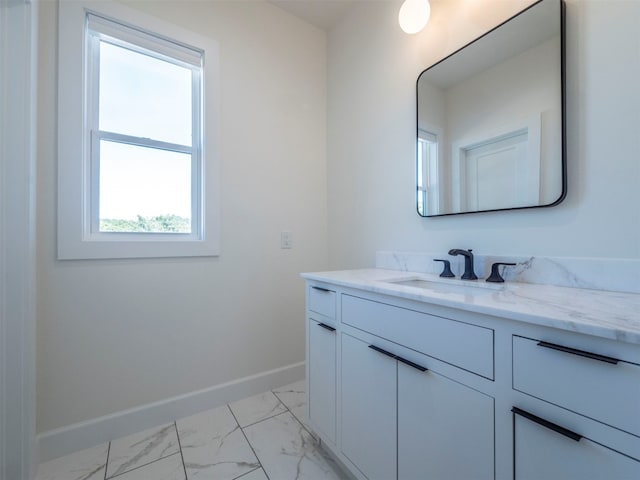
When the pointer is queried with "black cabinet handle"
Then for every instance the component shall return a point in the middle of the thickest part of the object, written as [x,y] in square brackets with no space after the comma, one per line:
[320,288]
[411,364]
[327,327]
[400,359]
[545,423]
[581,353]
[384,352]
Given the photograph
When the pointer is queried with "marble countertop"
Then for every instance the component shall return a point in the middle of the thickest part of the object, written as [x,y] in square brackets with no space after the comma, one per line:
[612,315]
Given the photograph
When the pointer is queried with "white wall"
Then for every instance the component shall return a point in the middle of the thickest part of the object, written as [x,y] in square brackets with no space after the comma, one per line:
[372,70]
[118,334]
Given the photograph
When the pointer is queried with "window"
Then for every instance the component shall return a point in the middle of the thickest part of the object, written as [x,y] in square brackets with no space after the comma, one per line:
[428,184]
[144,126]
[140,179]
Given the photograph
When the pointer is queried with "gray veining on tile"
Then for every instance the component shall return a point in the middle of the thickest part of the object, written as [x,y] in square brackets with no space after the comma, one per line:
[294,396]
[141,448]
[167,468]
[256,408]
[88,464]
[211,446]
[611,274]
[287,451]
[214,447]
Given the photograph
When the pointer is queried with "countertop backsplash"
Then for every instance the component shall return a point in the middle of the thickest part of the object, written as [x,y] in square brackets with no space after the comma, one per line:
[617,275]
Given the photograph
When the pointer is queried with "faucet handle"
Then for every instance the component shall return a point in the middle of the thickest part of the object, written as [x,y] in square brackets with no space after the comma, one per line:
[495,274]
[446,271]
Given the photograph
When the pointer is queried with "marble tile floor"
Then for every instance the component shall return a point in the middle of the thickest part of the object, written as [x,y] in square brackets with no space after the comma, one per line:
[258,438]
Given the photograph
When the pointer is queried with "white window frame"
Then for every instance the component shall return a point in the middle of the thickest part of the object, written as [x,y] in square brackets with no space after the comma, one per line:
[429,145]
[78,230]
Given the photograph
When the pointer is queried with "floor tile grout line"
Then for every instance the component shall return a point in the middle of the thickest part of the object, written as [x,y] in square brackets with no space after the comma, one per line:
[106,464]
[142,466]
[302,425]
[248,442]
[265,418]
[184,465]
[250,471]
[313,435]
[317,440]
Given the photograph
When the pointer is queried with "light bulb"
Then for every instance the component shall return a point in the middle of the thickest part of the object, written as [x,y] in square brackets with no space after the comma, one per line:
[414,15]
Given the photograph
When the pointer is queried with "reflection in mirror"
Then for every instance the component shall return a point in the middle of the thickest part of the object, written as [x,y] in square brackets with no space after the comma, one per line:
[491,119]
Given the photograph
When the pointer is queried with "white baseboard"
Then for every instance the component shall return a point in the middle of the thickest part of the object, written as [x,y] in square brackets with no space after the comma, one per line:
[65,440]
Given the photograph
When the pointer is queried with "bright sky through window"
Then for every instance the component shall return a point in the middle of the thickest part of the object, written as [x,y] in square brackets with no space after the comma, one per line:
[143,181]
[142,96]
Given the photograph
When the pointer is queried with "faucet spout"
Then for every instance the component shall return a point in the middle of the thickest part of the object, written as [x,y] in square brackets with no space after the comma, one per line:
[468,274]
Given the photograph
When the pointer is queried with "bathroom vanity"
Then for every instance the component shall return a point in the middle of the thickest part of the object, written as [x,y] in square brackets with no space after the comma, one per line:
[411,376]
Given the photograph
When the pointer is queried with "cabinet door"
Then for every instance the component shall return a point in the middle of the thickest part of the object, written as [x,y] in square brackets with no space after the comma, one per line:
[322,378]
[542,453]
[445,429]
[368,412]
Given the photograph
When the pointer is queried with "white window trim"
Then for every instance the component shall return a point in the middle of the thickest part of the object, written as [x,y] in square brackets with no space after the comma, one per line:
[75,240]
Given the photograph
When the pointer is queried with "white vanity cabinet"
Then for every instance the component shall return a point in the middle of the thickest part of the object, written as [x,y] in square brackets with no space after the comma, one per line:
[543,450]
[587,382]
[591,383]
[406,389]
[398,416]
[445,429]
[322,378]
[368,409]
[321,361]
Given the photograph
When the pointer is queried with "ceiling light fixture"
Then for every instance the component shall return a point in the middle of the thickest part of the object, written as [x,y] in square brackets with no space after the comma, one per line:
[414,15]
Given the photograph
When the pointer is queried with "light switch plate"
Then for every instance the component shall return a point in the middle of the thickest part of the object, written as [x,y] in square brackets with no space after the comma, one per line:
[286,239]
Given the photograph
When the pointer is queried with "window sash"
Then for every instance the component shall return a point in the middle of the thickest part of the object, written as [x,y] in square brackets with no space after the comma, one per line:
[122,34]
[93,83]
[94,180]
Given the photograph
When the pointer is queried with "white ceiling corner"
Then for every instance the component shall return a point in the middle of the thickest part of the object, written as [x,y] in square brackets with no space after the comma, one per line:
[321,13]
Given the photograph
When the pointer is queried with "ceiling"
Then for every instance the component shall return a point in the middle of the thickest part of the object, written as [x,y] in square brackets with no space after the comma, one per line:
[321,13]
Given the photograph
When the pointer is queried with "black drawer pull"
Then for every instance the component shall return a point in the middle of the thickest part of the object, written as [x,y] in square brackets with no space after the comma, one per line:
[384,352]
[581,353]
[320,288]
[545,423]
[411,364]
[400,359]
[327,327]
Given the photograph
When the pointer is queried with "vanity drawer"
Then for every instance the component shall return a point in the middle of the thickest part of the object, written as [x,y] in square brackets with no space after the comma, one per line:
[461,344]
[583,382]
[322,300]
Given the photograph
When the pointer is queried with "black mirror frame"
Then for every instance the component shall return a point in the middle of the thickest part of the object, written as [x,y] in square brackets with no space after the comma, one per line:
[563,107]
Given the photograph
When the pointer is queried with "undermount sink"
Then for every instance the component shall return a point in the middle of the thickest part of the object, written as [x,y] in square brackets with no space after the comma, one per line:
[448,286]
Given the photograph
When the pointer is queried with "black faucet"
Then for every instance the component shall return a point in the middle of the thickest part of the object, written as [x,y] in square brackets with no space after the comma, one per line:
[468,274]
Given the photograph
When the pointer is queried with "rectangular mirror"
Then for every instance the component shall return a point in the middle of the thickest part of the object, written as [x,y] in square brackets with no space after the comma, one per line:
[491,119]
